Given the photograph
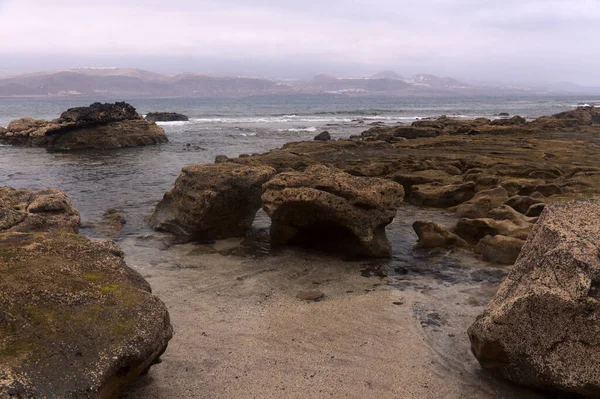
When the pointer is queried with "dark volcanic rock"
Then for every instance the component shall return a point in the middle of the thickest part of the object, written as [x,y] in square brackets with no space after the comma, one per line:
[75,321]
[323,136]
[212,201]
[541,328]
[166,117]
[37,211]
[98,114]
[327,208]
[99,126]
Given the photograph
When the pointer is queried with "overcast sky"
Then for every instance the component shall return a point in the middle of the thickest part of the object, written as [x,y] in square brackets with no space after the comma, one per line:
[475,40]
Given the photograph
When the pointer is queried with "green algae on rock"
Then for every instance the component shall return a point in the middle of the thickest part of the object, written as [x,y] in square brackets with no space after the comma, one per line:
[75,320]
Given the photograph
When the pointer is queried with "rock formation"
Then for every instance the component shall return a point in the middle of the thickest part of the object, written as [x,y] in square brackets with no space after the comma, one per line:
[99,126]
[34,211]
[166,117]
[541,328]
[327,208]
[212,201]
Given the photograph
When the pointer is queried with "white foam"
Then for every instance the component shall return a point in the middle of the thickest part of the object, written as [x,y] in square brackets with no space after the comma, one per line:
[306,129]
[173,123]
[248,134]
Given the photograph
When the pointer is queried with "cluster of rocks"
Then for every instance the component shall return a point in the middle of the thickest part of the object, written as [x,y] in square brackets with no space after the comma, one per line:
[574,120]
[75,320]
[99,126]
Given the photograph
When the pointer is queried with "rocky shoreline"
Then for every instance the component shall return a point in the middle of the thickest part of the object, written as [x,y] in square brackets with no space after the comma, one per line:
[509,182]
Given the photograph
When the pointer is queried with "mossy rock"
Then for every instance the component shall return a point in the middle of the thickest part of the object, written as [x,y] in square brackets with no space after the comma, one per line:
[75,320]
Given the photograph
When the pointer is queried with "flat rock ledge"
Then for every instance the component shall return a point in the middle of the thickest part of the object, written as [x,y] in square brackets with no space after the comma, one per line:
[75,321]
[326,208]
[212,201]
[541,328]
[99,127]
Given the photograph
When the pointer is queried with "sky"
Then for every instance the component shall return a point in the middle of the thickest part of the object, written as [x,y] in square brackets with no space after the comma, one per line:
[480,41]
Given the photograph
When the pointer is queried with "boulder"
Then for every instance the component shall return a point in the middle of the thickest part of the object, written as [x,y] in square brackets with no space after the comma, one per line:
[473,230]
[435,235]
[212,201]
[37,211]
[521,203]
[75,321]
[500,249]
[326,208]
[481,203]
[505,212]
[585,115]
[441,196]
[541,328]
[323,136]
[99,126]
[166,117]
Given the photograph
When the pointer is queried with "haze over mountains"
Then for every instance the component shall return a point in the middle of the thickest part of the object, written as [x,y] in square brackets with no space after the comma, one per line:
[131,83]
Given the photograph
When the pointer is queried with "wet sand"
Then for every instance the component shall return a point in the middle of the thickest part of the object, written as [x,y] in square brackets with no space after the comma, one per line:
[240,331]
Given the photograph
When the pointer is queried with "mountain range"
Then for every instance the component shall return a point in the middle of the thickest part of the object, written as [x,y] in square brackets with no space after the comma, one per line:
[133,83]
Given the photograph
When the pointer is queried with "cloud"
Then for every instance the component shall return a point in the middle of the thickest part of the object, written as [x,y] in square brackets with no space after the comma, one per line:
[469,37]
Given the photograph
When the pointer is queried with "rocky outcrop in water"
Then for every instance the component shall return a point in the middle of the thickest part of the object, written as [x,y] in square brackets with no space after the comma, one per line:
[326,208]
[35,211]
[541,328]
[212,201]
[99,126]
[166,117]
[75,321]
[323,136]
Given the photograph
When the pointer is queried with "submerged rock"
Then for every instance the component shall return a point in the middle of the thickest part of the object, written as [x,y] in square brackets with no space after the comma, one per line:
[36,211]
[330,209]
[541,328]
[75,321]
[212,201]
[435,235]
[99,126]
[166,117]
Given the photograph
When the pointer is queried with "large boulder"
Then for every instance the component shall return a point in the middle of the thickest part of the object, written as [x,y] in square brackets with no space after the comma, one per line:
[99,126]
[75,321]
[435,235]
[212,201]
[327,208]
[441,196]
[522,203]
[36,211]
[541,328]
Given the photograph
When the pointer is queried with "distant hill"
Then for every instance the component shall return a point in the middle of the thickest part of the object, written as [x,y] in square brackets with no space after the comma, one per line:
[132,83]
[387,75]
